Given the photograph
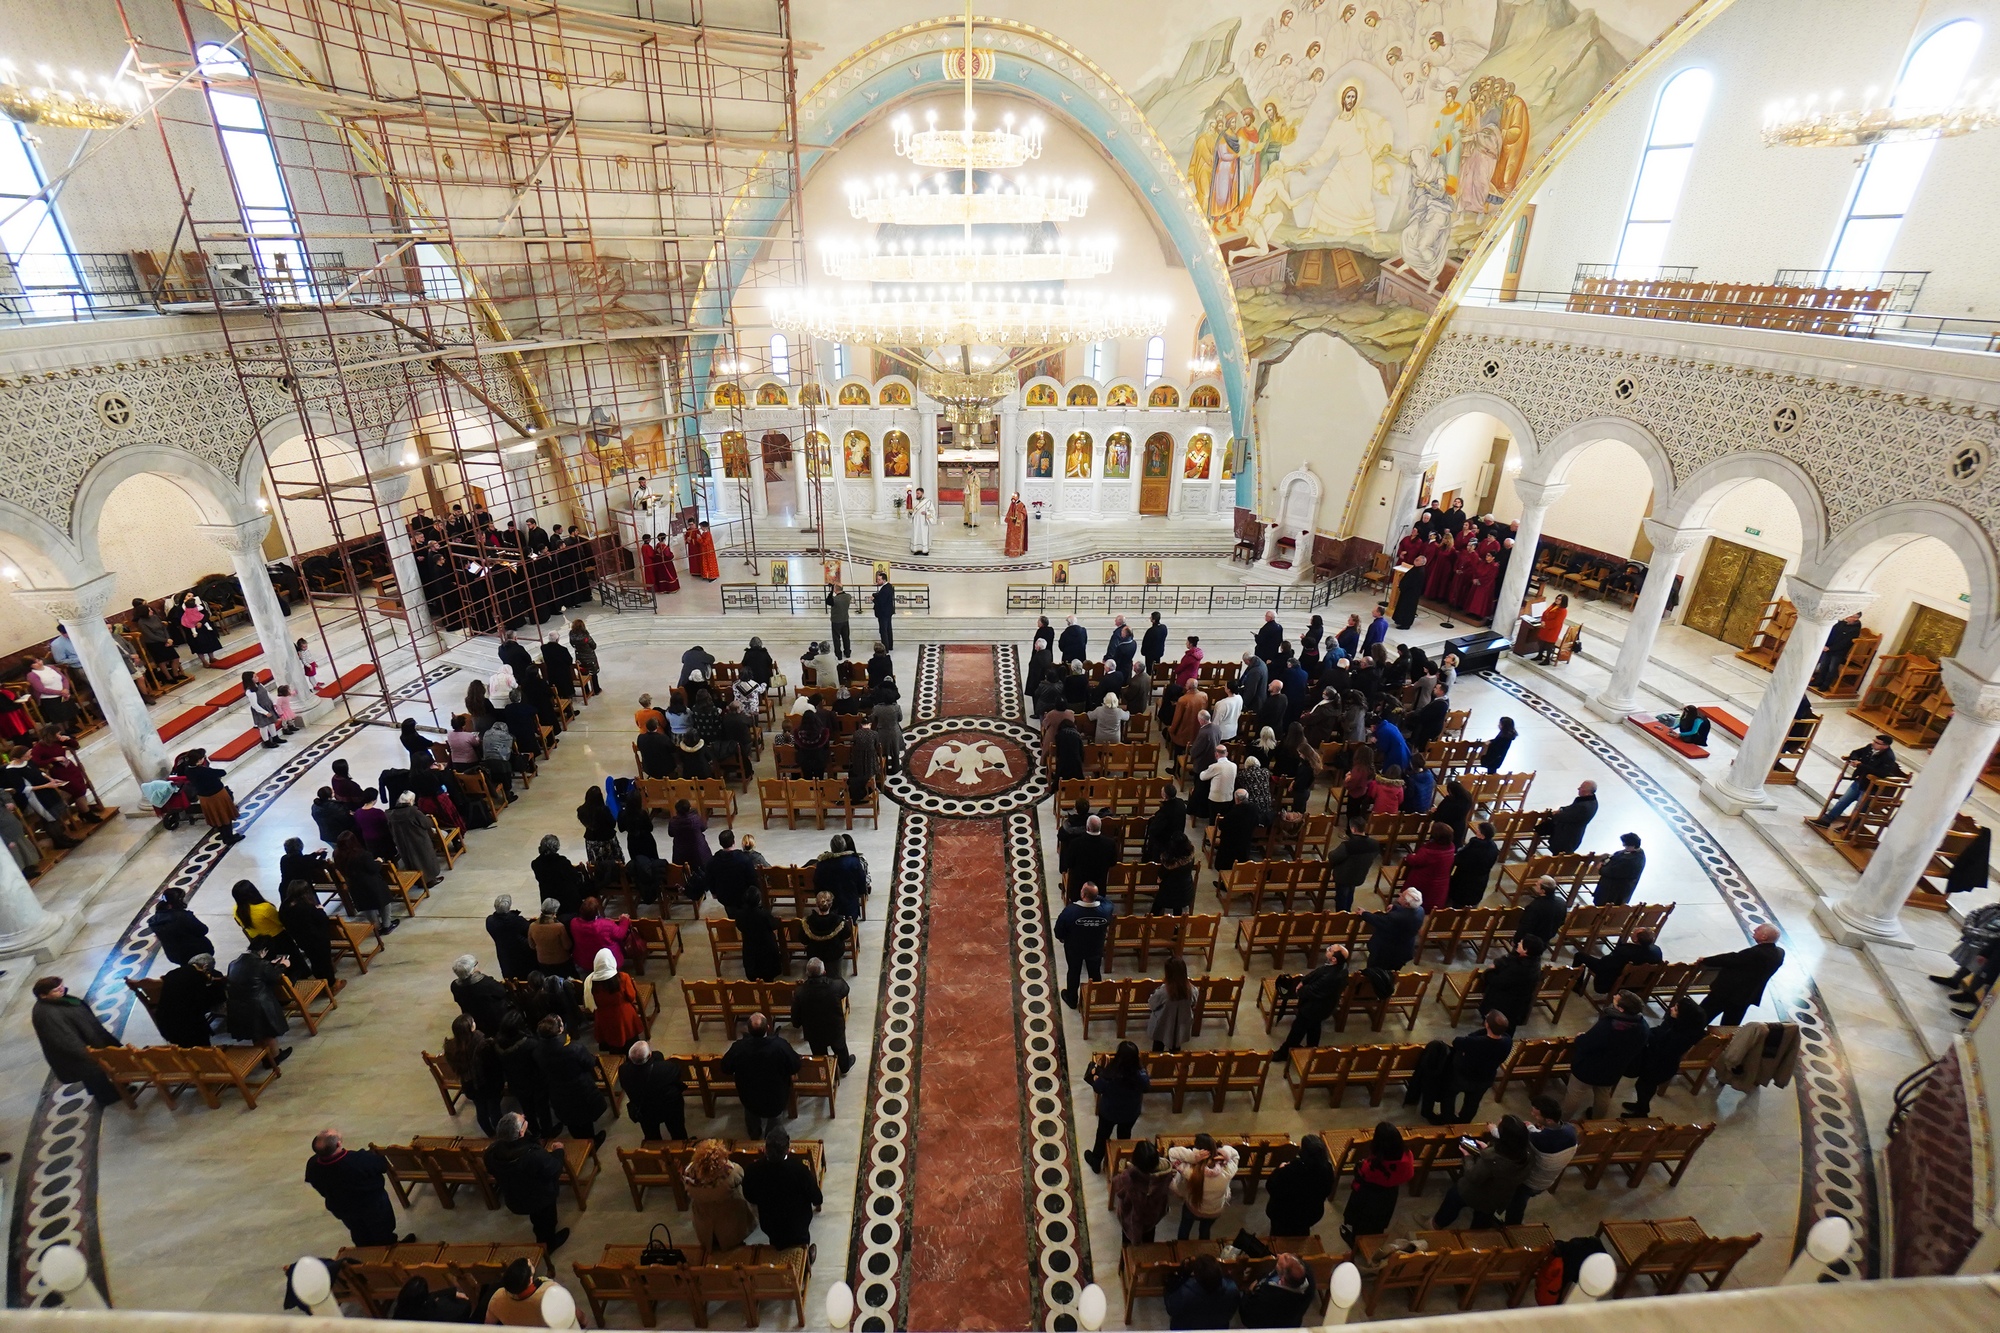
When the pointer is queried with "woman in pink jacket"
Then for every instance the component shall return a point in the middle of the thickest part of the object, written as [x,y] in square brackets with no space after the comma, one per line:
[590,931]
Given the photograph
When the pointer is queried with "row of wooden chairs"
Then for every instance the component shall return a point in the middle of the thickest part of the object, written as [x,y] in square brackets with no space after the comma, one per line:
[712,798]
[1128,1000]
[1573,872]
[817,798]
[1631,1148]
[373,1275]
[1146,1268]
[725,941]
[172,1070]
[1508,1257]
[1552,991]
[1671,1251]
[1536,1061]
[1141,937]
[1214,1073]
[448,1164]
[663,1163]
[728,1002]
[750,1276]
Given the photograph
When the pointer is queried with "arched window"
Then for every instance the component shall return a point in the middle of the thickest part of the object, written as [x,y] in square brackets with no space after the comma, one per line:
[1156,358]
[253,165]
[1890,172]
[1662,171]
[840,361]
[781,356]
[33,236]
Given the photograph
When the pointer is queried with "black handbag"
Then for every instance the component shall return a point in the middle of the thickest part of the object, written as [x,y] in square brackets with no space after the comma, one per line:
[661,1253]
[1251,1246]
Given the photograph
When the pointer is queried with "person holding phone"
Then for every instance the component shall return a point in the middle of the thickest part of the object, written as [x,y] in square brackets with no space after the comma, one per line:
[1492,1173]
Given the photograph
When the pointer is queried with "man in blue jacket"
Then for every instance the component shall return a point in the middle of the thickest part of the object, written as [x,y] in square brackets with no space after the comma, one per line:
[1082,928]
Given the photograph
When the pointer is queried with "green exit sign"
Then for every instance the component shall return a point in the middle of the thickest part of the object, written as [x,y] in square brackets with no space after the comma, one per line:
[1965,597]
[1755,532]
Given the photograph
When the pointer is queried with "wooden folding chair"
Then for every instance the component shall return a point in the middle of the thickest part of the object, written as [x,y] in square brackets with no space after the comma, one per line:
[1455,1268]
[310,998]
[1673,1150]
[1715,1261]
[447,1080]
[353,939]
[1661,1251]
[127,1069]
[1405,1272]
[248,1069]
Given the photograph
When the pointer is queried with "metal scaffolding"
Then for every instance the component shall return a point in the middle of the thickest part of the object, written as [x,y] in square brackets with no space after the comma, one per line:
[504,270]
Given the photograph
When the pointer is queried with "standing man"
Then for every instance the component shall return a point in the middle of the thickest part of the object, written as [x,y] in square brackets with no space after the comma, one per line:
[969,499]
[762,1063]
[1154,646]
[922,515]
[1740,982]
[818,1012]
[1378,626]
[352,1183]
[885,610]
[655,1092]
[1123,646]
[1270,637]
[1838,640]
[1074,644]
[529,1175]
[782,1189]
[838,603]
[1082,928]
[509,929]
[1318,993]
[69,1032]
[1618,879]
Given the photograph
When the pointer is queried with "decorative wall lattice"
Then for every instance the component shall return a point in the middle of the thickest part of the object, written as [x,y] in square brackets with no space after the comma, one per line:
[1864,448]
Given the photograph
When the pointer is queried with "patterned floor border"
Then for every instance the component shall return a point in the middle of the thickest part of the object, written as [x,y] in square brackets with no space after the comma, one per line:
[1836,1165]
[57,1181]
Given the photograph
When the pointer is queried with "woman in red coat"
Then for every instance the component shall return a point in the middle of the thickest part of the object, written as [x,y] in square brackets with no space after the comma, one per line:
[1551,632]
[1428,868]
[614,1004]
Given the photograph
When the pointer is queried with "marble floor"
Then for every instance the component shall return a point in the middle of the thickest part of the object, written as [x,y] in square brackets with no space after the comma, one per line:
[160,1187]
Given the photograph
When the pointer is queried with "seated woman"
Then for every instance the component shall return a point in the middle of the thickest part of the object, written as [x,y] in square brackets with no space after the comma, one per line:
[1690,726]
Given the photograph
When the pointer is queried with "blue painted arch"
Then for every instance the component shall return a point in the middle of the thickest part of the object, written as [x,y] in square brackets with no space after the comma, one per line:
[847,101]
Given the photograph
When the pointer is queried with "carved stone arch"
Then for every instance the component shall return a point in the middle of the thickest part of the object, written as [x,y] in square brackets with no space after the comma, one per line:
[1551,460]
[44,554]
[1700,493]
[1851,556]
[1432,424]
[221,498]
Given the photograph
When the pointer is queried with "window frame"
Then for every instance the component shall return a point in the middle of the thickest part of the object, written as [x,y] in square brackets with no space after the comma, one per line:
[1646,158]
[38,203]
[1156,359]
[1848,215]
[265,248]
[781,357]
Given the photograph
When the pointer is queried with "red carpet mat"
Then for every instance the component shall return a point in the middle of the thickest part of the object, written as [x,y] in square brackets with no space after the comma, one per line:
[242,655]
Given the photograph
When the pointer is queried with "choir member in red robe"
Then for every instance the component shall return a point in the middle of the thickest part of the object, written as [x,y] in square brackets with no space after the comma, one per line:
[1484,593]
[1444,566]
[1410,547]
[645,570]
[1461,580]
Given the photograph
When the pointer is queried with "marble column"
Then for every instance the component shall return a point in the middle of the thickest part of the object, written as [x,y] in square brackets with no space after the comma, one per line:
[245,543]
[1869,911]
[389,493]
[82,609]
[1536,497]
[25,924]
[1818,608]
[1621,696]
[1403,507]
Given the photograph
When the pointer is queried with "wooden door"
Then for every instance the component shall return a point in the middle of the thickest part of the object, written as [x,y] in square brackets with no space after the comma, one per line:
[1156,474]
[1729,594]
[1933,634]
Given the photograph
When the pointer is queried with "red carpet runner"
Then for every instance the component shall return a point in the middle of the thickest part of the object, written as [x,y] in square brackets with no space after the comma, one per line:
[968,1262]
[967,1216]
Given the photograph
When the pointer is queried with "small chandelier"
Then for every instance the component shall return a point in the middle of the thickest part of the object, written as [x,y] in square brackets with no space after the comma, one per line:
[967,396]
[981,317]
[1786,125]
[79,107]
[968,149]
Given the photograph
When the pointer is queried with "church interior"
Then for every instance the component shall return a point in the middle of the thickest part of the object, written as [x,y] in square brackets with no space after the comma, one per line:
[679,663]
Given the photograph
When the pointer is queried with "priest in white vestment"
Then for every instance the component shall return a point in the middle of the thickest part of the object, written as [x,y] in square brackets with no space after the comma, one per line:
[922,515]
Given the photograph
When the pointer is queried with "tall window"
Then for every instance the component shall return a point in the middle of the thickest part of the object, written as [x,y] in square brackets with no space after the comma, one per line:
[253,164]
[1662,172]
[1093,361]
[1156,357]
[840,361]
[781,356]
[32,234]
[1890,172]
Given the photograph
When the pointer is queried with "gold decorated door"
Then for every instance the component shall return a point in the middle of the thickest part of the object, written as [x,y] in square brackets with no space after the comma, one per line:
[1731,591]
[1933,634]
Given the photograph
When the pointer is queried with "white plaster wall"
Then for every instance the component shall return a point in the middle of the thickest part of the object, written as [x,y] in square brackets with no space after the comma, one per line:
[1464,447]
[1319,406]
[1922,573]
[1747,210]
[1609,492]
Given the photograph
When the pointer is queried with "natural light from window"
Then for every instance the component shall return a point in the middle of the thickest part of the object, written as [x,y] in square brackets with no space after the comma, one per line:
[1156,358]
[781,356]
[1662,172]
[33,235]
[1891,172]
[253,164]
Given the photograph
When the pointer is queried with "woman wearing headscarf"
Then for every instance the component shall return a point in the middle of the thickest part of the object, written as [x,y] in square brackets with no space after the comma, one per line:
[613,1000]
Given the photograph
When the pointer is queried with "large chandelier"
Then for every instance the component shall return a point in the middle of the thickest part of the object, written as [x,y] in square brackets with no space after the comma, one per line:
[930,304]
[1787,125]
[47,101]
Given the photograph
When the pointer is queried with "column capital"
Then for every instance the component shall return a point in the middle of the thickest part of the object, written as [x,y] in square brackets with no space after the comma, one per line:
[1407,458]
[84,602]
[1972,695]
[244,537]
[1827,604]
[1539,494]
[1667,539]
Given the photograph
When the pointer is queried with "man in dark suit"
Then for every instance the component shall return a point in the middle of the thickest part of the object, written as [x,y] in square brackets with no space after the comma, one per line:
[1154,646]
[1476,1058]
[1123,646]
[1564,829]
[655,1092]
[529,1175]
[1618,879]
[782,1189]
[1270,638]
[1074,643]
[1739,983]
[479,995]
[1088,855]
[656,751]
[352,1183]
[1253,681]
[1319,992]
[884,605]
[762,1063]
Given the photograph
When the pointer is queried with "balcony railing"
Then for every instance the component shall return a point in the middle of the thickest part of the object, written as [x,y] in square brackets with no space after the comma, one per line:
[1840,312]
